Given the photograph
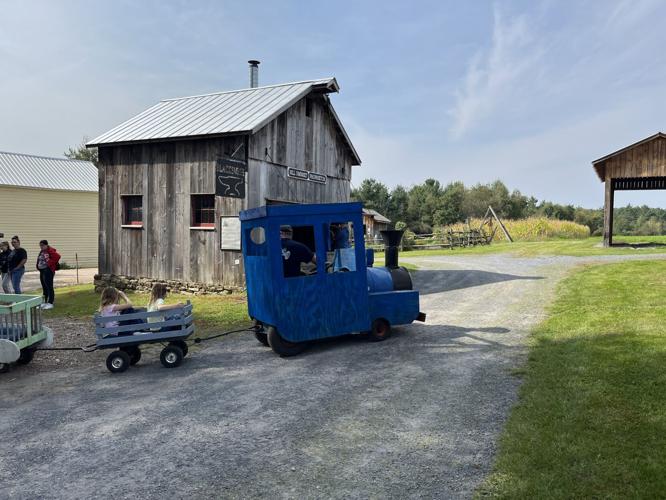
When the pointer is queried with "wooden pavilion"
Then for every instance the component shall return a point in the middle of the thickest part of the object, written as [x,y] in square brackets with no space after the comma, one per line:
[640,166]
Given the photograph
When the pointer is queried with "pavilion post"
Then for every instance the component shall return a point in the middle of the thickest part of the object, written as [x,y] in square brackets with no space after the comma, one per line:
[608,212]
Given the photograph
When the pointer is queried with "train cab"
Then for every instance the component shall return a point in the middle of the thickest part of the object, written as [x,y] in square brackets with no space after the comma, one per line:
[308,277]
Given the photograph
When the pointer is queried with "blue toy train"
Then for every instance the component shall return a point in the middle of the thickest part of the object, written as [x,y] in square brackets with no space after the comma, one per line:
[334,290]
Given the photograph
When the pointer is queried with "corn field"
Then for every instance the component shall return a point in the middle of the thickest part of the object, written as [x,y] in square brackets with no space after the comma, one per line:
[531,229]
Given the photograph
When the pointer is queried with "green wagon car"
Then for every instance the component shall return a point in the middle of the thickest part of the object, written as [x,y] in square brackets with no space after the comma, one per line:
[21,329]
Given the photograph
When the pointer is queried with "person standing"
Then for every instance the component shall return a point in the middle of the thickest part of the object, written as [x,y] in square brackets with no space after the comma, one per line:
[47,263]
[17,260]
[4,267]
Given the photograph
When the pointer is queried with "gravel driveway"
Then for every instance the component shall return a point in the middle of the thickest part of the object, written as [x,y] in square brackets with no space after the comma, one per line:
[415,416]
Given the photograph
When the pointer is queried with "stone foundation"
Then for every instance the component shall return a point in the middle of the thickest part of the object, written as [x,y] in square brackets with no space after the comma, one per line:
[146,284]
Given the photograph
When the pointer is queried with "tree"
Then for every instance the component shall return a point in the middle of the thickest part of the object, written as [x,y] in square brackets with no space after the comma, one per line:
[373,194]
[451,204]
[398,204]
[81,152]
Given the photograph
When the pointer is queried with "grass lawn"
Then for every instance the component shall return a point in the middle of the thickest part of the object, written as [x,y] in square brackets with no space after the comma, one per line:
[591,418]
[589,246]
[211,312]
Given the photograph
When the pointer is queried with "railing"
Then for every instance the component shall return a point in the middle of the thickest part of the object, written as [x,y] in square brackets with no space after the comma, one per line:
[447,239]
[21,319]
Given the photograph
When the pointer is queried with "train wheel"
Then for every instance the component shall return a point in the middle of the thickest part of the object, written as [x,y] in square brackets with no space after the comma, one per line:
[281,346]
[381,330]
[262,338]
[171,356]
[26,356]
[134,353]
[118,361]
[182,344]
[260,332]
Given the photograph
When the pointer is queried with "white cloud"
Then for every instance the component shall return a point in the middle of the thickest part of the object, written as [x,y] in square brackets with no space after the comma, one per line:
[494,73]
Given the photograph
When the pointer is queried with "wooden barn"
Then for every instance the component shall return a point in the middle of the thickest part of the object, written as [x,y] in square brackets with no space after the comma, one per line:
[640,166]
[374,223]
[173,179]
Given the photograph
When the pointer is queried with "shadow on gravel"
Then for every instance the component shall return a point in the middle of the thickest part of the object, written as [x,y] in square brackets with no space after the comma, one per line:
[418,337]
[427,282]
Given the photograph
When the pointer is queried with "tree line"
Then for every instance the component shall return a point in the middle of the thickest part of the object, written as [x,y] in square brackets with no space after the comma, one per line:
[422,207]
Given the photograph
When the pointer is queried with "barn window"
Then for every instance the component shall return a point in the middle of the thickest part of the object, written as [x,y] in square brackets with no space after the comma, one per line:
[308,108]
[203,210]
[133,210]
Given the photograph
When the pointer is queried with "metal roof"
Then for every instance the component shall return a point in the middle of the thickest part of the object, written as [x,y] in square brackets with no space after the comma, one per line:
[42,172]
[235,112]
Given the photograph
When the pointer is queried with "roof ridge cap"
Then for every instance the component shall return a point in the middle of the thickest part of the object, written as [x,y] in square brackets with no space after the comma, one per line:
[247,89]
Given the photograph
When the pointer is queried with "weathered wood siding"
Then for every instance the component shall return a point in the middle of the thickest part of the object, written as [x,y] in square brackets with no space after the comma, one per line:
[166,247]
[645,160]
[166,174]
[311,143]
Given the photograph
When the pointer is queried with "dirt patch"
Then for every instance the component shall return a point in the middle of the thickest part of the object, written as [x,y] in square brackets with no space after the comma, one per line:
[67,333]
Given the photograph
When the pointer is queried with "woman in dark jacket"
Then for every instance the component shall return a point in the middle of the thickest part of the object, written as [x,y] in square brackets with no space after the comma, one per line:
[47,263]
[4,267]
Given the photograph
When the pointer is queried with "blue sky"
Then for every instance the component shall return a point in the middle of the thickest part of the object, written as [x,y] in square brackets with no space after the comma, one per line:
[527,92]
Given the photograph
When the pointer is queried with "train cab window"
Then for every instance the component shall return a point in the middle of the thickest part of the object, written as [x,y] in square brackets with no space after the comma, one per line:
[255,241]
[341,254]
[298,251]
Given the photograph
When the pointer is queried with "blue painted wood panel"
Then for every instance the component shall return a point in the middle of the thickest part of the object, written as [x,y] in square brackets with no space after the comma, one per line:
[324,304]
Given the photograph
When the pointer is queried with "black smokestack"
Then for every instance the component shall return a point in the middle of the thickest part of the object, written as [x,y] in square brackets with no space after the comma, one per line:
[392,239]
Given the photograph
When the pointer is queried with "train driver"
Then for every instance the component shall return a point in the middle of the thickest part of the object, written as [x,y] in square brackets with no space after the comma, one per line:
[294,253]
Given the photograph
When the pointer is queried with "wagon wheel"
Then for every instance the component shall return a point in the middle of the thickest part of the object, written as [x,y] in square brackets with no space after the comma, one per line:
[260,332]
[171,356]
[381,330]
[26,356]
[182,344]
[118,361]
[134,353]
[281,346]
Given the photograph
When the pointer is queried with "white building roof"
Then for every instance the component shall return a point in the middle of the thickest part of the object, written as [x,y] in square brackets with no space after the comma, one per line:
[235,112]
[41,172]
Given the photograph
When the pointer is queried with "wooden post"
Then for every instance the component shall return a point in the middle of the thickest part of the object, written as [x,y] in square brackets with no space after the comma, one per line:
[501,224]
[608,212]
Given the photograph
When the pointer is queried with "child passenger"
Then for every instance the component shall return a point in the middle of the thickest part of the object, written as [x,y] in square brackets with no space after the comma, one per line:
[110,305]
[156,303]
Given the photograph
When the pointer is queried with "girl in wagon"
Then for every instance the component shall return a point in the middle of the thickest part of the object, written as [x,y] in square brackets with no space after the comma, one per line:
[157,296]
[114,302]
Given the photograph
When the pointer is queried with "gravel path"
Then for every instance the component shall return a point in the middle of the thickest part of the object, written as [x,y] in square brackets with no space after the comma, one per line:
[416,416]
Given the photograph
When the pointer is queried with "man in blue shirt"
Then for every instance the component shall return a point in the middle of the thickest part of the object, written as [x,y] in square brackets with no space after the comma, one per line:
[293,253]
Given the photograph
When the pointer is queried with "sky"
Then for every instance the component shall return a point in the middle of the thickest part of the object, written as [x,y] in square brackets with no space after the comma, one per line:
[527,92]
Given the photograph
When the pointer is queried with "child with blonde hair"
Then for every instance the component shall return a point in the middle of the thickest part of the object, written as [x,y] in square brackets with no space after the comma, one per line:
[110,305]
[156,303]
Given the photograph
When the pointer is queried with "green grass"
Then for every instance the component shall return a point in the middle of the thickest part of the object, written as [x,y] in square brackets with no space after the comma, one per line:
[579,248]
[591,417]
[211,312]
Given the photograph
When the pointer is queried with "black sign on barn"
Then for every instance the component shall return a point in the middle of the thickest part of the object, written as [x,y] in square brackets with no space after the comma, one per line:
[230,177]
